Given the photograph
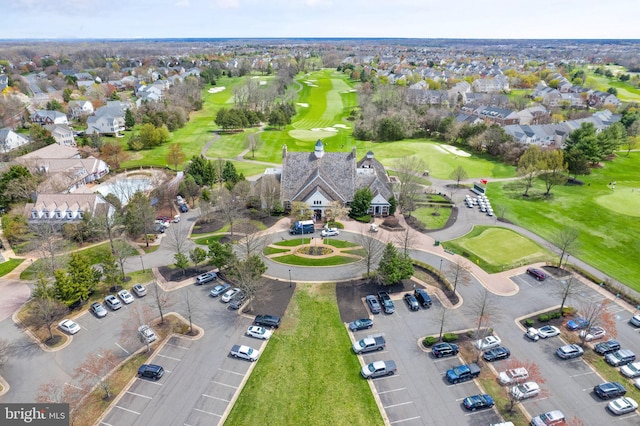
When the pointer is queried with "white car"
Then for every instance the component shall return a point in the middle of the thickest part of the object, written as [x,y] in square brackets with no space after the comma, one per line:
[139,290]
[548,331]
[532,334]
[259,332]
[244,352]
[622,405]
[513,375]
[229,295]
[329,232]
[525,390]
[147,334]
[69,326]
[594,333]
[635,320]
[488,342]
[631,370]
[125,296]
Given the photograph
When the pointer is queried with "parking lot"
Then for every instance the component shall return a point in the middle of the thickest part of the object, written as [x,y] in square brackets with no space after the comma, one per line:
[200,376]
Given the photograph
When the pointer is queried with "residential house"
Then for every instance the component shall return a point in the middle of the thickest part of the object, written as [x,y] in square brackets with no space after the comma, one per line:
[65,208]
[4,82]
[537,114]
[489,85]
[108,120]
[10,140]
[320,178]
[600,99]
[45,117]
[496,115]
[79,109]
[53,151]
[62,133]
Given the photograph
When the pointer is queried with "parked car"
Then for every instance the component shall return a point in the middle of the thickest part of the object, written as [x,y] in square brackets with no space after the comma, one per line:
[184,208]
[532,334]
[206,278]
[219,289]
[488,342]
[537,274]
[554,417]
[577,323]
[635,320]
[594,333]
[379,369]
[238,300]
[98,310]
[374,305]
[622,405]
[259,332]
[139,290]
[525,390]
[604,348]
[151,371]
[329,232]
[360,324]
[226,298]
[496,354]
[548,331]
[569,351]
[386,302]
[69,326]
[147,334]
[111,301]
[267,321]
[513,375]
[125,296]
[443,349]
[244,352]
[423,298]
[631,370]
[412,302]
[609,390]
[620,357]
[478,401]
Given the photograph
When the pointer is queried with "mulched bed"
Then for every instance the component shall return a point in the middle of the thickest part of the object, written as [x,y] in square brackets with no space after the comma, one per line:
[216,224]
[350,294]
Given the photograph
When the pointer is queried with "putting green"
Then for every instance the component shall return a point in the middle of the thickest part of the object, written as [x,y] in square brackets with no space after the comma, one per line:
[622,200]
[499,246]
[311,135]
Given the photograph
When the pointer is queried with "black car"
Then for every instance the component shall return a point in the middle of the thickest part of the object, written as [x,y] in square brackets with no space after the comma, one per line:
[151,371]
[267,321]
[440,350]
[496,354]
[184,208]
[609,346]
[609,390]
[237,301]
[537,274]
[412,302]
[422,297]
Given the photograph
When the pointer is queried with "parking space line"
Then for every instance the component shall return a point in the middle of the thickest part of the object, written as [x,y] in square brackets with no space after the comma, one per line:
[207,412]
[404,420]
[224,384]
[126,351]
[582,374]
[214,397]
[126,409]
[232,372]
[153,383]
[137,394]
[177,346]
[397,405]
[392,390]
[170,357]
[107,424]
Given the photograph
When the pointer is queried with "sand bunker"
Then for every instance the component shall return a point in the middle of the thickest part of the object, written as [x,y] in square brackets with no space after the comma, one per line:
[324,129]
[303,105]
[340,126]
[262,83]
[216,89]
[456,151]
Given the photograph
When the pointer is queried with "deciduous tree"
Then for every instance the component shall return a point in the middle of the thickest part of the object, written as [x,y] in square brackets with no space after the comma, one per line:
[554,169]
[529,165]
[597,313]
[175,156]
[458,174]
[409,171]
[567,288]
[45,312]
[96,369]
[566,239]
[535,375]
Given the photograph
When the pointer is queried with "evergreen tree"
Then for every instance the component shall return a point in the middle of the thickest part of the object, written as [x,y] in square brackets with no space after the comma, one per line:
[129,119]
[361,203]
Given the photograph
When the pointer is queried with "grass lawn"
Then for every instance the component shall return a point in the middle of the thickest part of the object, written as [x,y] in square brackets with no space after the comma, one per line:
[295,383]
[292,259]
[627,92]
[425,215]
[497,249]
[9,265]
[607,219]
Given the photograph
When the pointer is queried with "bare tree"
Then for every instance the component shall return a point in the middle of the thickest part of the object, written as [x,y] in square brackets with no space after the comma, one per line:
[486,310]
[336,211]
[458,174]
[50,244]
[45,312]
[251,243]
[138,315]
[177,239]
[460,274]
[253,145]
[268,189]
[247,273]
[111,224]
[566,239]
[161,300]
[301,210]
[96,369]
[190,305]
[372,247]
[5,351]
[597,314]
[409,171]
[121,252]
[58,392]
[535,375]
[406,239]
[566,289]
[228,207]
[442,319]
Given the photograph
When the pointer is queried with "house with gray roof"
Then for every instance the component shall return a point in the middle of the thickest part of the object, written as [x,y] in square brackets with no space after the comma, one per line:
[320,178]
[62,133]
[59,209]
[108,120]
[10,140]
[44,117]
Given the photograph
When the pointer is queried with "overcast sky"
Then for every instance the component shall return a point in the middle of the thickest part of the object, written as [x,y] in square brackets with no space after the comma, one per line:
[591,19]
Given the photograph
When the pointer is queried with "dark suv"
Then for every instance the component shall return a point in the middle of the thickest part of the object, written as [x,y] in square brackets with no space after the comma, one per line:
[423,298]
[237,301]
[151,371]
[267,321]
[444,349]
[609,390]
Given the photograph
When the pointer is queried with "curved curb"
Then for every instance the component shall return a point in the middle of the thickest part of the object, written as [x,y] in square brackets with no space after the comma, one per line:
[183,336]
[5,386]
[35,339]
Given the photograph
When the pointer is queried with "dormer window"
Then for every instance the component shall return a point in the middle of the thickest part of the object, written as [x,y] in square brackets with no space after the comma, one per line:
[80,214]
[34,214]
[58,214]
[69,214]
